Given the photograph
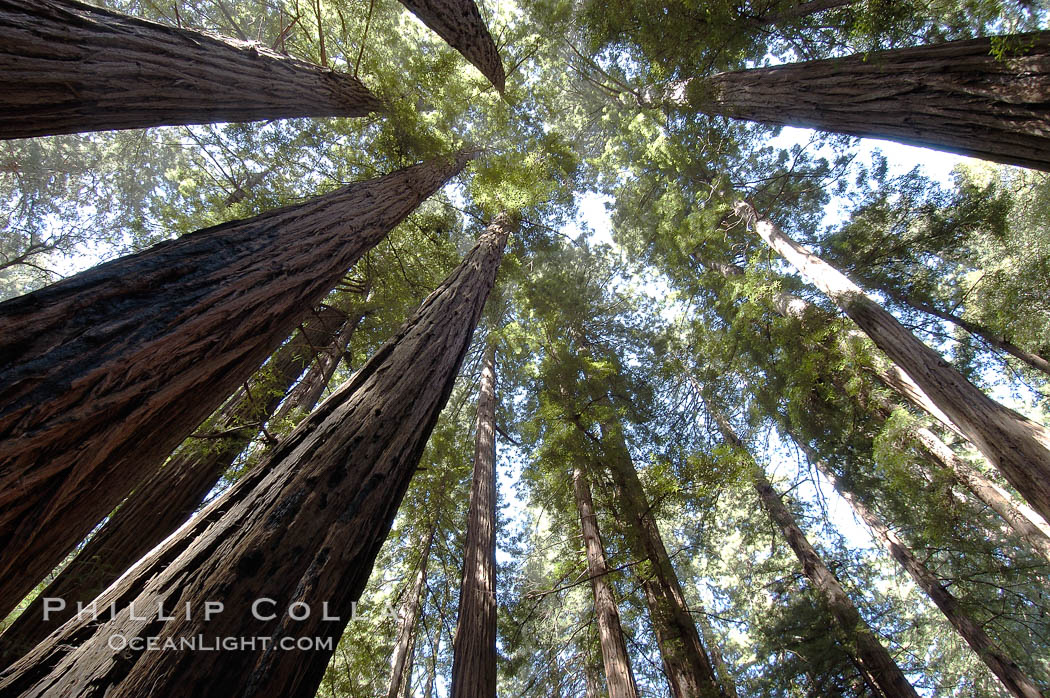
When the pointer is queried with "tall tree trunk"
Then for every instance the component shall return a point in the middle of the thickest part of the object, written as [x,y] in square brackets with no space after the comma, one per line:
[460,24]
[1025,522]
[875,661]
[105,372]
[68,67]
[686,664]
[303,528]
[1007,671]
[474,647]
[618,675]
[725,676]
[404,648]
[166,500]
[955,96]
[1018,447]
[996,340]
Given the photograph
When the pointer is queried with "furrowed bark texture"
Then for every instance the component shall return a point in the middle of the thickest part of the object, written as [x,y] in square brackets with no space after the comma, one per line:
[1005,669]
[875,660]
[104,373]
[401,659]
[68,67]
[474,647]
[459,23]
[955,96]
[304,527]
[618,675]
[159,506]
[688,669]
[1017,446]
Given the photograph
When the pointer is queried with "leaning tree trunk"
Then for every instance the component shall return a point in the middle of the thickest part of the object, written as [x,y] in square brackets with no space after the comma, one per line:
[688,669]
[1025,522]
[404,647]
[300,531]
[68,67]
[1017,446]
[166,500]
[618,675]
[874,659]
[460,24]
[105,372]
[956,96]
[474,647]
[1005,669]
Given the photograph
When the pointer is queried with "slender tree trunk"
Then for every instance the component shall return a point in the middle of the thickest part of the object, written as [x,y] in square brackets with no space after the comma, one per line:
[303,528]
[1007,671]
[1018,447]
[618,675]
[401,660]
[725,676]
[1023,520]
[160,505]
[474,647]
[955,96]
[460,24]
[105,372]
[686,664]
[805,9]
[68,67]
[872,656]
[1032,359]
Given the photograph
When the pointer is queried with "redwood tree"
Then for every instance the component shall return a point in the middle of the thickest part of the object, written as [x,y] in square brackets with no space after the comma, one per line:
[407,617]
[68,67]
[105,372]
[957,96]
[302,528]
[474,647]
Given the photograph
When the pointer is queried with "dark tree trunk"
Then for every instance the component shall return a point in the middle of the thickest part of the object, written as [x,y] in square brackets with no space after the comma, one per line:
[1007,671]
[104,373]
[474,647]
[955,96]
[68,67]
[459,23]
[686,664]
[618,675]
[160,505]
[872,656]
[305,527]
[1017,446]
[404,648]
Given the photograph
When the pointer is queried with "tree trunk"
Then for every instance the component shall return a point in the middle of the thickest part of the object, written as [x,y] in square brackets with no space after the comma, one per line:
[1008,672]
[1025,522]
[1018,447]
[68,67]
[303,530]
[618,675]
[160,505]
[459,23]
[875,661]
[1033,360]
[725,676]
[404,648]
[686,664]
[955,96]
[474,647]
[105,372]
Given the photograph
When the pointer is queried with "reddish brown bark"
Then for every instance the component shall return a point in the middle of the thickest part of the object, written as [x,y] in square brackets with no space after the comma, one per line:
[1017,446]
[104,373]
[166,500]
[1004,668]
[955,96]
[408,615]
[68,67]
[304,527]
[474,647]
[459,23]
[618,675]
